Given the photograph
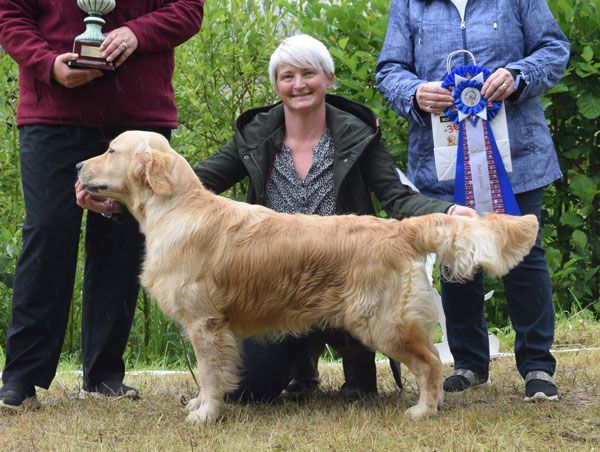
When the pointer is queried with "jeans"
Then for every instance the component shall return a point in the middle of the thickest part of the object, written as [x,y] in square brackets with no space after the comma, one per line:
[530,308]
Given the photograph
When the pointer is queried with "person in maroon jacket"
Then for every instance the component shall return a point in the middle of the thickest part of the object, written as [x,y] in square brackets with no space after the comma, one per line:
[65,116]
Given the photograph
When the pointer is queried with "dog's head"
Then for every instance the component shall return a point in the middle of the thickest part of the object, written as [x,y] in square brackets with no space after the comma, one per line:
[136,163]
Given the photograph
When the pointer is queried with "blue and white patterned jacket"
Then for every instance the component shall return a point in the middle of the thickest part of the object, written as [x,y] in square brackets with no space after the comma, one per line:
[516,34]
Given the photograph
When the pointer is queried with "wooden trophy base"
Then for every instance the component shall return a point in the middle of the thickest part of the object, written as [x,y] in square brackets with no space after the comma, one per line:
[90,57]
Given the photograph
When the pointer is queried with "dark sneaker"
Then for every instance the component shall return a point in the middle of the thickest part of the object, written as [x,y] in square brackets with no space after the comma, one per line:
[302,386]
[15,396]
[539,385]
[462,379]
[110,389]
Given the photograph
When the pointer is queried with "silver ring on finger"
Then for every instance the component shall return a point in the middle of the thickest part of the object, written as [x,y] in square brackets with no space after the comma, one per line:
[429,104]
[504,86]
[124,45]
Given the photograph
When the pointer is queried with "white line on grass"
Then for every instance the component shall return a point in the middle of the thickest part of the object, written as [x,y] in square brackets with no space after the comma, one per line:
[180,372]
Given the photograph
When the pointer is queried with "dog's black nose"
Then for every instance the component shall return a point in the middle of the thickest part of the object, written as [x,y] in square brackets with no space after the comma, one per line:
[79,166]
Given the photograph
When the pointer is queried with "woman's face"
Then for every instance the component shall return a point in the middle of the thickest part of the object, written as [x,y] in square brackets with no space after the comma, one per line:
[302,89]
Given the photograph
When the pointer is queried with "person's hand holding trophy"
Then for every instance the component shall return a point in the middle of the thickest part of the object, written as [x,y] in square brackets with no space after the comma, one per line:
[92,51]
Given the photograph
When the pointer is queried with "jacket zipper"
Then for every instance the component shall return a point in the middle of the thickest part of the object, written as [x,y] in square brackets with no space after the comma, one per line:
[463,28]
[261,195]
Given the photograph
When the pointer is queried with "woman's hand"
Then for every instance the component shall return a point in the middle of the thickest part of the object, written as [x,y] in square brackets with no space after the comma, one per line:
[462,211]
[499,85]
[86,200]
[432,98]
[119,44]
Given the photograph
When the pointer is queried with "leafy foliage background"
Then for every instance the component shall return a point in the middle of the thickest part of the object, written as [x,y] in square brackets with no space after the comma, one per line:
[223,71]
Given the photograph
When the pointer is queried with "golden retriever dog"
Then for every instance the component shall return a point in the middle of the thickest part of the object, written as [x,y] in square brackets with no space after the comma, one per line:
[226,270]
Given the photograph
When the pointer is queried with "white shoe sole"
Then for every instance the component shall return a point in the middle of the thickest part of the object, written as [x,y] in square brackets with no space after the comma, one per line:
[485,384]
[538,396]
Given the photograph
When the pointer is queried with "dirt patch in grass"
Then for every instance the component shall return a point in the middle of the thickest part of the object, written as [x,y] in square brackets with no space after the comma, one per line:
[492,418]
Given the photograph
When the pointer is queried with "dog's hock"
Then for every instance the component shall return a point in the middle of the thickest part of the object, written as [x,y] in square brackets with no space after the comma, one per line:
[154,168]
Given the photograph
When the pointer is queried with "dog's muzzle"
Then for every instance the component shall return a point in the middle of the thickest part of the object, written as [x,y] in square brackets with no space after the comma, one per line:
[89,187]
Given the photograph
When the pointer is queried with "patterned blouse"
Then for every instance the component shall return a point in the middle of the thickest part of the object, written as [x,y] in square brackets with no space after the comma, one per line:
[286,192]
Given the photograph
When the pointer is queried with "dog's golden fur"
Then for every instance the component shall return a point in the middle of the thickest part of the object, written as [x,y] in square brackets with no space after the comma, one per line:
[226,270]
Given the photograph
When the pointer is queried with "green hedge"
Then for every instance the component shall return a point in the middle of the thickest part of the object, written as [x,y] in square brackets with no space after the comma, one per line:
[223,71]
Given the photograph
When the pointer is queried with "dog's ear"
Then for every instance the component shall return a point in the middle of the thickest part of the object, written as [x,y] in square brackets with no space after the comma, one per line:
[153,168]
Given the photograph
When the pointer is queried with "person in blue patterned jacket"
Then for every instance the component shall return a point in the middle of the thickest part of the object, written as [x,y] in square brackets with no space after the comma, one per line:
[521,44]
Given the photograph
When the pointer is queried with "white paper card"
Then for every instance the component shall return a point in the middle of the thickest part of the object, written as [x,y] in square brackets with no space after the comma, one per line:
[445,143]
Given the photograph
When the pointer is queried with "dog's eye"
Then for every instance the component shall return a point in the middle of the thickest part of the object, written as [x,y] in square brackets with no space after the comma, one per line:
[111,150]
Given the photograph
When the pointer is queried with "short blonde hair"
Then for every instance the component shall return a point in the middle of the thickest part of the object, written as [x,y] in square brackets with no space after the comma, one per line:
[301,50]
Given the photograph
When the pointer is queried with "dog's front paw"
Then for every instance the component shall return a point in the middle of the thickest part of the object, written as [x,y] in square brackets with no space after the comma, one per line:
[208,413]
[420,411]
[194,404]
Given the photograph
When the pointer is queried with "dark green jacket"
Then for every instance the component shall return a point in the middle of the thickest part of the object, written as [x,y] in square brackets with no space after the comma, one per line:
[361,164]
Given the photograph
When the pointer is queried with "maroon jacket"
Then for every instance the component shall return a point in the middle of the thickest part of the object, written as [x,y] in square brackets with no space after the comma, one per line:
[138,93]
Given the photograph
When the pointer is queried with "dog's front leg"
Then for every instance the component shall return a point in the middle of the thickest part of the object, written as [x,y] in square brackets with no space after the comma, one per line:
[218,356]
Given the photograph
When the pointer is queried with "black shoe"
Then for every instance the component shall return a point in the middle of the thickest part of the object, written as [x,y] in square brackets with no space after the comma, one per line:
[353,392]
[110,389]
[15,396]
[302,386]
[539,385]
[462,379]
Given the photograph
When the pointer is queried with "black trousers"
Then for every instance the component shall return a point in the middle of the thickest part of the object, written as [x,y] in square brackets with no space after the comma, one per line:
[268,366]
[45,272]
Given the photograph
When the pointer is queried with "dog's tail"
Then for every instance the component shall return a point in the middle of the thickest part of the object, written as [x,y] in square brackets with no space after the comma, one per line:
[496,242]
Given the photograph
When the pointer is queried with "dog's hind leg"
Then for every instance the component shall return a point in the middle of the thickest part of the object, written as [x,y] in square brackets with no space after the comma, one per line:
[421,357]
[218,356]
[414,349]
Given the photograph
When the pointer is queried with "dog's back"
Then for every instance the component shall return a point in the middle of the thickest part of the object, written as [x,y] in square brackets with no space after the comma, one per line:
[268,272]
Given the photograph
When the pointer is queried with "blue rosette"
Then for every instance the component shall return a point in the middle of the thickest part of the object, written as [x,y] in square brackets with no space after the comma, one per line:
[466,82]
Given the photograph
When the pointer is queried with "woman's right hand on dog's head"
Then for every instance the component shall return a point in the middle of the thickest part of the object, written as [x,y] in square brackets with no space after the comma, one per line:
[95,203]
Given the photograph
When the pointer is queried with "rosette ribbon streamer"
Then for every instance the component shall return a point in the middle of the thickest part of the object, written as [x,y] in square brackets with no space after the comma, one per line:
[481,180]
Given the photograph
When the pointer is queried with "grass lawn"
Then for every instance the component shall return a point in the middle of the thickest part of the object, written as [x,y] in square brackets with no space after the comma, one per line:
[492,418]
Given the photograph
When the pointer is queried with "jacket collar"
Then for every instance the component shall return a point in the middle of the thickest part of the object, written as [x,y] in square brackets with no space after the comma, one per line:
[259,132]
[348,121]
